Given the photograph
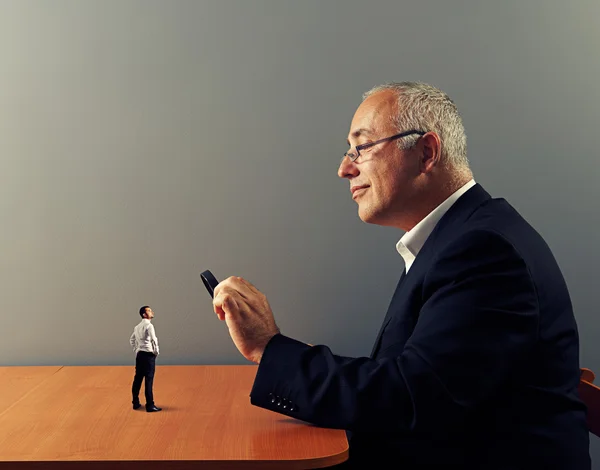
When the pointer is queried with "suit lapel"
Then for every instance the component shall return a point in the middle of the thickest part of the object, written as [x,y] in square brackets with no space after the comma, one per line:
[388,315]
[460,211]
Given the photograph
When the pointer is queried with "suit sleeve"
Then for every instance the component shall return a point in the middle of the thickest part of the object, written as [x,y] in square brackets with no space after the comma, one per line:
[478,319]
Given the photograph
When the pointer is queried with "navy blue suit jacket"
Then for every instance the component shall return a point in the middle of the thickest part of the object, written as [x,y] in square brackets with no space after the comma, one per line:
[476,364]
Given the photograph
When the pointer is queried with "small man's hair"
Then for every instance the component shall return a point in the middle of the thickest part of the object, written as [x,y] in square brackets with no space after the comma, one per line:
[143,310]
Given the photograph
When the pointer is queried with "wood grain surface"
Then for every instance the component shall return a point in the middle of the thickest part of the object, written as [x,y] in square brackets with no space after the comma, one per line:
[82,417]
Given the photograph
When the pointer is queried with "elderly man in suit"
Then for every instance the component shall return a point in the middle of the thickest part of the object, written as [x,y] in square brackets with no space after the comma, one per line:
[476,365]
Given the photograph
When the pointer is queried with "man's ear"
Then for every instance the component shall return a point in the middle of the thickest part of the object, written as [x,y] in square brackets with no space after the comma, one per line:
[430,147]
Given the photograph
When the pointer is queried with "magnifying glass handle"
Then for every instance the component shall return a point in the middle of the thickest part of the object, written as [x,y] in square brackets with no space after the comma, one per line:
[210,282]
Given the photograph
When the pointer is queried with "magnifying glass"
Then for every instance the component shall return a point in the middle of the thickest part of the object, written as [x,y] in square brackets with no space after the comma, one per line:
[210,282]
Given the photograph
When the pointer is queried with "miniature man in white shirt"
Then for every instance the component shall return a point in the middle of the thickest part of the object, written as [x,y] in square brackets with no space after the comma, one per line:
[145,346]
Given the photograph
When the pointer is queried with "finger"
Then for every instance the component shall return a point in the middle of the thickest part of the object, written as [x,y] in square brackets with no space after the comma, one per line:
[220,287]
[246,290]
[249,285]
[225,286]
[240,285]
[231,283]
[230,305]
[225,303]
[219,301]
[218,307]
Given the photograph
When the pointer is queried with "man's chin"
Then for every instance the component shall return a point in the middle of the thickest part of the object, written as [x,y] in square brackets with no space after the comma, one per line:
[366,216]
[372,217]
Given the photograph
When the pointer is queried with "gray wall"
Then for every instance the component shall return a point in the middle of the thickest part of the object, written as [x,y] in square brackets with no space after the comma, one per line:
[142,142]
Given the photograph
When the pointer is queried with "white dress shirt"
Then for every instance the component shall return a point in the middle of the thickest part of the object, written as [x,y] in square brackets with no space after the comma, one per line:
[144,338]
[412,241]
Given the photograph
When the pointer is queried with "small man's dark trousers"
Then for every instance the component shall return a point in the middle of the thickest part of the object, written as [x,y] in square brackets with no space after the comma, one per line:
[145,363]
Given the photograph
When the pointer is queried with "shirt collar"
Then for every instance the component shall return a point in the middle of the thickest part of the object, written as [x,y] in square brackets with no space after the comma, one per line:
[412,241]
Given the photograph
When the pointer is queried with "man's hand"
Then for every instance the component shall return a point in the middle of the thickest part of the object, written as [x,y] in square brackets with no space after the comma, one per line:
[247,314]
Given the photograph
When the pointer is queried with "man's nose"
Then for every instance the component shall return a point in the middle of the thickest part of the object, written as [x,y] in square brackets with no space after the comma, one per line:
[347,168]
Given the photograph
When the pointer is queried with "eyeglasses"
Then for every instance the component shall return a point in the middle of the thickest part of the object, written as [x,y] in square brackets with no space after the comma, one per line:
[353,156]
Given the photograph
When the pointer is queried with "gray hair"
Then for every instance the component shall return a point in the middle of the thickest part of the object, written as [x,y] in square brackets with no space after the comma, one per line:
[426,108]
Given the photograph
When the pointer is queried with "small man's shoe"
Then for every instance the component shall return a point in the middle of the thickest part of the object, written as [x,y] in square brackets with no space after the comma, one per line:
[136,406]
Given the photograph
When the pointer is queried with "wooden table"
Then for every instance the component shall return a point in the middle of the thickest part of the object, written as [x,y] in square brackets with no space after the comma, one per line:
[82,417]
[17,382]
